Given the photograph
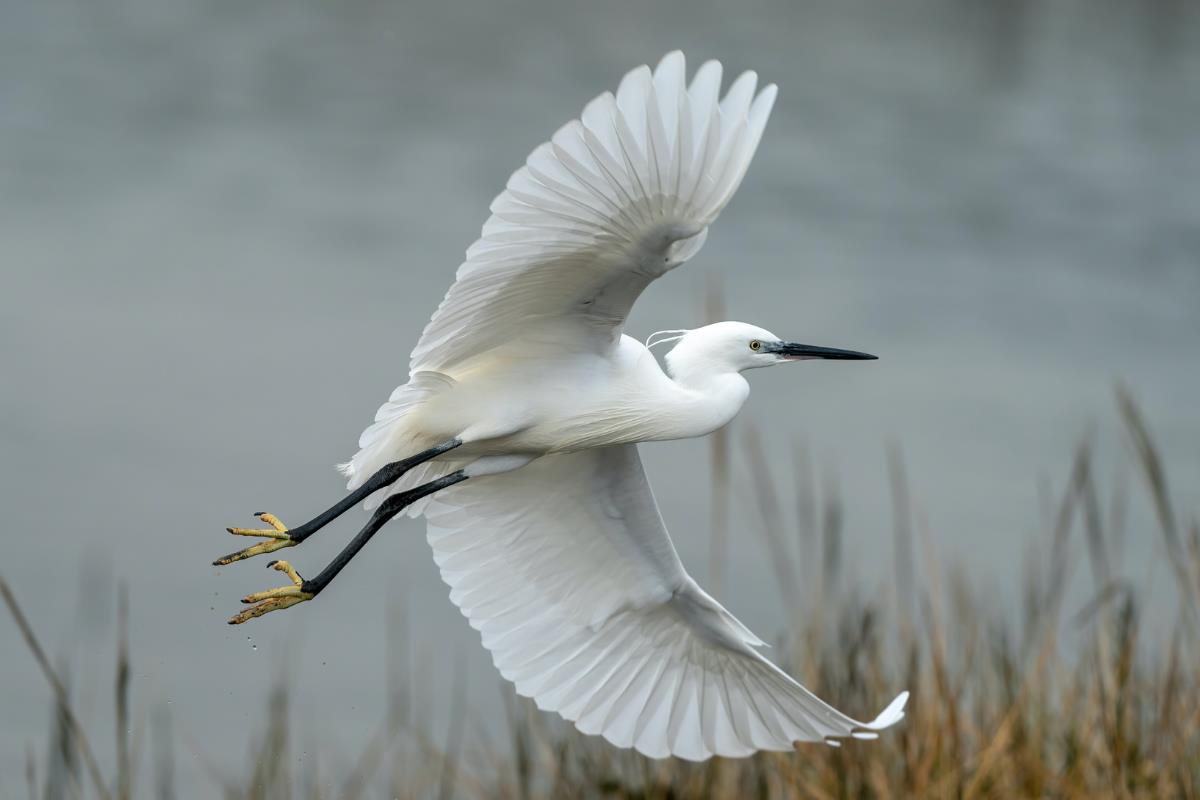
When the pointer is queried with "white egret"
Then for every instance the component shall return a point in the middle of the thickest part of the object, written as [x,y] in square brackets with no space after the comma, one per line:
[516,434]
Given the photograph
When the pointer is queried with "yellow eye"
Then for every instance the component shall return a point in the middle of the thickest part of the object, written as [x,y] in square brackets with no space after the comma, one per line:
[756,345]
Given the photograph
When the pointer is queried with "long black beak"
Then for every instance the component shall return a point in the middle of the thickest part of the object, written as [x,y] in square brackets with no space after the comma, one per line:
[796,351]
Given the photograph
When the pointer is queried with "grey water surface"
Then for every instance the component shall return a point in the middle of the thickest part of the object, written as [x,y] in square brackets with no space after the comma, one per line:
[223,225]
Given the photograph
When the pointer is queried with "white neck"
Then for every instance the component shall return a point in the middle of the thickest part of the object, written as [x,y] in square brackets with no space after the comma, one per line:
[706,401]
[644,403]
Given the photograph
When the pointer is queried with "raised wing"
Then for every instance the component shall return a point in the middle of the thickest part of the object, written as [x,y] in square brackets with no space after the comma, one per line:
[566,569]
[612,201]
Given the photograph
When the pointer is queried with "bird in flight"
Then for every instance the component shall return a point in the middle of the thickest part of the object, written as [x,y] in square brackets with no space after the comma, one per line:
[516,435]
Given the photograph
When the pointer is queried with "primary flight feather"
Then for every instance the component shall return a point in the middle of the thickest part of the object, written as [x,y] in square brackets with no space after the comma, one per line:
[516,434]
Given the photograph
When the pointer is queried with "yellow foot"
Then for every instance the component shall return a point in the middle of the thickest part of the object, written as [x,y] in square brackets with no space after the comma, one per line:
[274,599]
[277,537]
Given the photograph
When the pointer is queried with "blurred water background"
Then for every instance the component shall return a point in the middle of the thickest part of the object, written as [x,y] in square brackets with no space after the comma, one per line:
[224,224]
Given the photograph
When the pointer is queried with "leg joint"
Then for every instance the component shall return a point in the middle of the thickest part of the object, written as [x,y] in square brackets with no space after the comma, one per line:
[390,473]
[393,505]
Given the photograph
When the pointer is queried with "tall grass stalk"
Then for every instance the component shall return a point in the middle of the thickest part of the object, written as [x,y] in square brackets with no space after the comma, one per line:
[1069,700]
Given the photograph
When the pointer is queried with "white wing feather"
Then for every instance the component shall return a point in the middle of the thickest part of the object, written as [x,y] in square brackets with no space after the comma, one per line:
[614,200]
[567,571]
[599,212]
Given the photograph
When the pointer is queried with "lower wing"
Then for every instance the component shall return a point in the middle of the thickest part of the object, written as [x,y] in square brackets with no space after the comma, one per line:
[566,569]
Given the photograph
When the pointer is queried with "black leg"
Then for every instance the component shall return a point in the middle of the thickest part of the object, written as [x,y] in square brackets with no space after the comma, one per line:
[288,537]
[390,508]
[386,476]
[302,590]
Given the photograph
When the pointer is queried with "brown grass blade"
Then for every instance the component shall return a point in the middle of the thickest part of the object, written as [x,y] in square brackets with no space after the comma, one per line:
[60,691]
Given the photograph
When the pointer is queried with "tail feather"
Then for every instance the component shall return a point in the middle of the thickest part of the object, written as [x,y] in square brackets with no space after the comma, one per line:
[389,439]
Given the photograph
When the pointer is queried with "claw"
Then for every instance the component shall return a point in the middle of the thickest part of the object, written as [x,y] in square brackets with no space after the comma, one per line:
[271,520]
[274,599]
[277,536]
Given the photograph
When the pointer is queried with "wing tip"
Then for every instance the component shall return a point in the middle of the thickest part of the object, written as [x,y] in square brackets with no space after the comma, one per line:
[890,715]
[642,74]
[870,730]
[767,94]
[745,78]
[670,60]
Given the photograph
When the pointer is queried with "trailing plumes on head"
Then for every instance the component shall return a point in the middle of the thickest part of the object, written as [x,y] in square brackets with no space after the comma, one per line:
[668,336]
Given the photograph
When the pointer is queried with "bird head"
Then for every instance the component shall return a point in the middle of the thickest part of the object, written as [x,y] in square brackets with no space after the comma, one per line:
[738,346]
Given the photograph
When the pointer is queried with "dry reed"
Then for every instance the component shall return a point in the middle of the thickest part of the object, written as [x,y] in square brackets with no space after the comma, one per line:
[1049,705]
